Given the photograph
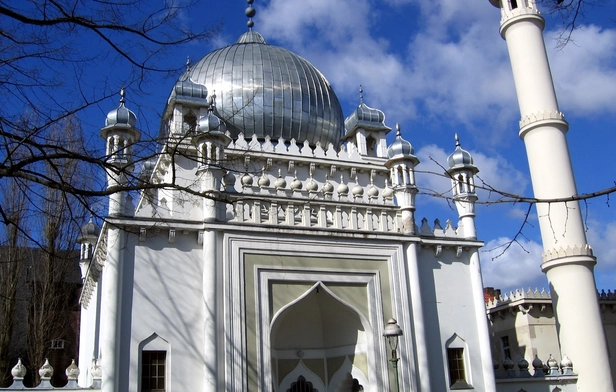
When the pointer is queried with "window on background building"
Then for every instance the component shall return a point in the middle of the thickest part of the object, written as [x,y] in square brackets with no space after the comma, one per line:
[457,373]
[153,371]
[57,344]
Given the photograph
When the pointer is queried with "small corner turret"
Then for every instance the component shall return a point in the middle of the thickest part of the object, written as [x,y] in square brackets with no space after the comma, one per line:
[462,171]
[401,164]
[87,240]
[366,130]
[210,139]
[120,135]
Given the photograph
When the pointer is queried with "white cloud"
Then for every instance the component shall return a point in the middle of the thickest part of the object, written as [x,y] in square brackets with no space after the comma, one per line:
[453,69]
[516,267]
[602,238]
[585,69]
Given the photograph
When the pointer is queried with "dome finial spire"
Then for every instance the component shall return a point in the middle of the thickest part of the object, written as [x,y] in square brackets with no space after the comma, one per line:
[122,95]
[457,140]
[212,102]
[398,133]
[187,63]
[250,13]
[361,94]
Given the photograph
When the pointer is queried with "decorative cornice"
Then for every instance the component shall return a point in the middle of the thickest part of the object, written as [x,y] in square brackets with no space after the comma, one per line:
[553,254]
[541,118]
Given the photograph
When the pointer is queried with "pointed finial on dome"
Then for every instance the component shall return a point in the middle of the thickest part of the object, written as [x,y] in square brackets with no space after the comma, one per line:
[187,63]
[457,140]
[361,94]
[122,95]
[250,13]
[398,133]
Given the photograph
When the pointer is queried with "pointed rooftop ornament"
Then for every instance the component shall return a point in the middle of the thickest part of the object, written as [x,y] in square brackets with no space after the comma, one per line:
[187,63]
[250,13]
[121,116]
[211,101]
[361,94]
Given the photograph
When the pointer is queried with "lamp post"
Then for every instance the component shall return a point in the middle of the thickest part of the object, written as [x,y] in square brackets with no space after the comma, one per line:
[391,334]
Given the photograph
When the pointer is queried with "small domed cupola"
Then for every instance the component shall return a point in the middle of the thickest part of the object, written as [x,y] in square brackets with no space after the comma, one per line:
[367,118]
[210,136]
[187,91]
[462,172]
[401,164]
[120,135]
[89,231]
[121,116]
[211,123]
[401,148]
[461,159]
[366,129]
[87,239]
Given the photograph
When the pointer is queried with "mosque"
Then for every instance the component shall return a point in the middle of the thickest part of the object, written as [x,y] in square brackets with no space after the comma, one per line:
[275,245]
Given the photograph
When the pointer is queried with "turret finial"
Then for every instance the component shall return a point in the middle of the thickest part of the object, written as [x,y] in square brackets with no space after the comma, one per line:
[457,140]
[361,94]
[212,101]
[250,13]
[187,63]
[398,133]
[122,95]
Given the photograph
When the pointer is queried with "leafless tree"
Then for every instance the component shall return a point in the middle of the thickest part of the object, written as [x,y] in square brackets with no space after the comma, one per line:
[572,13]
[51,53]
[12,249]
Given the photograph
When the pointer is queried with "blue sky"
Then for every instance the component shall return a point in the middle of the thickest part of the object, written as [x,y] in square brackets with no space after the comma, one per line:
[440,68]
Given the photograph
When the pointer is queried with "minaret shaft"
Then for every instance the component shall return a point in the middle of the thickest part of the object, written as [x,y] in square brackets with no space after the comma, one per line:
[568,260]
[531,70]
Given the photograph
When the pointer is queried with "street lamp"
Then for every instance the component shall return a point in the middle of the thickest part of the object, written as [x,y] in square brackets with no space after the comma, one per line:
[392,333]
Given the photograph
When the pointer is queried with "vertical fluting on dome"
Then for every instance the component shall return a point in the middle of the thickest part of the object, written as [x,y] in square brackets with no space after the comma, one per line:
[268,91]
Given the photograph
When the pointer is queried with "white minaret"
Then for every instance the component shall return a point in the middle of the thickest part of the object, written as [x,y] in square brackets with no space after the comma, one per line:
[120,134]
[401,164]
[568,260]
[462,173]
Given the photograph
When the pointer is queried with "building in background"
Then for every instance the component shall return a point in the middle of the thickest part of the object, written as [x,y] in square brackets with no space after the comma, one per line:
[522,326]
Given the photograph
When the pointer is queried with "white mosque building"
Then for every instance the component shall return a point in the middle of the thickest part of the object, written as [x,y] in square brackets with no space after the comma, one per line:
[288,245]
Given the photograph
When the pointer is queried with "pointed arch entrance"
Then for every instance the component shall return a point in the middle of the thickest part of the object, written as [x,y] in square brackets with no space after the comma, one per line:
[317,338]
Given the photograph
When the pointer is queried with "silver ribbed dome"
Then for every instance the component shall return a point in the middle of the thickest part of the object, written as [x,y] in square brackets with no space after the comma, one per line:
[366,117]
[121,116]
[400,147]
[211,123]
[269,91]
[89,232]
[460,158]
